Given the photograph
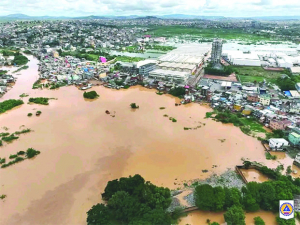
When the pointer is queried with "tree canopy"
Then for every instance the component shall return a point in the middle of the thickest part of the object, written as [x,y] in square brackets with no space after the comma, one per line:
[132,201]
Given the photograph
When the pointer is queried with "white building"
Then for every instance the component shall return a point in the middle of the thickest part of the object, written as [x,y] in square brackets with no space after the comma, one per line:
[277,143]
[169,75]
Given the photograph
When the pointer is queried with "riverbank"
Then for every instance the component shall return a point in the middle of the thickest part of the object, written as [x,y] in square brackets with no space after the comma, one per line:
[83,148]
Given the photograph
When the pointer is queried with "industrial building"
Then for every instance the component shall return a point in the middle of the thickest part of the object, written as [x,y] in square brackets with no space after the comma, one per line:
[169,75]
[180,63]
[240,58]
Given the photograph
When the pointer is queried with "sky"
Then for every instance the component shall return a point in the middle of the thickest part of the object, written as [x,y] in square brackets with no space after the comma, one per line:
[228,8]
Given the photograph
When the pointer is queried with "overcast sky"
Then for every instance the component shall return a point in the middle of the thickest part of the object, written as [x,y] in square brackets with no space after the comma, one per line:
[230,8]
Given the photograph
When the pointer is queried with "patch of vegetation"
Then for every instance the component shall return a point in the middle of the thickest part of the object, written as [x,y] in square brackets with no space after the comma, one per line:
[21,68]
[24,95]
[2,160]
[269,156]
[174,120]
[132,201]
[29,114]
[134,106]
[2,72]
[162,107]
[13,156]
[3,196]
[159,93]
[177,92]
[9,104]
[128,59]
[9,138]
[289,170]
[126,86]
[19,59]
[4,134]
[28,52]
[247,125]
[90,95]
[21,153]
[160,48]
[255,74]
[166,115]
[209,69]
[39,100]
[187,128]
[37,84]
[23,131]
[38,113]
[30,153]
[1,144]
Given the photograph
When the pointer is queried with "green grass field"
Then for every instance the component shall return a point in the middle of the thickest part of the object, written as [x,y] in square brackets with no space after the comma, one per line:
[255,73]
[171,31]
[128,59]
[254,125]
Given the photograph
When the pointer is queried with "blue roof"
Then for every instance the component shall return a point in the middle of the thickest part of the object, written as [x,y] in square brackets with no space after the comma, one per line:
[287,93]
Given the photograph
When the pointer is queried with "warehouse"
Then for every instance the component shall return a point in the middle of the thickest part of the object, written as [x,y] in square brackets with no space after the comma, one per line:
[242,59]
[169,75]
[183,67]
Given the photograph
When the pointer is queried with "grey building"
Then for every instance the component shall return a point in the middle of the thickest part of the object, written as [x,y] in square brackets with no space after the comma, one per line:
[216,52]
[145,69]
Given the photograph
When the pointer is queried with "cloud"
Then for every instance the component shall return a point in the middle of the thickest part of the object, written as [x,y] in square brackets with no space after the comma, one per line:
[229,8]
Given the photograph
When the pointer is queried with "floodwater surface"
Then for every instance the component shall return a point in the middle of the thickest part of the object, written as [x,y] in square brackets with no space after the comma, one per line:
[82,148]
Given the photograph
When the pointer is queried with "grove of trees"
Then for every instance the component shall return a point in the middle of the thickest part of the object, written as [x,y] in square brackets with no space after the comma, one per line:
[132,201]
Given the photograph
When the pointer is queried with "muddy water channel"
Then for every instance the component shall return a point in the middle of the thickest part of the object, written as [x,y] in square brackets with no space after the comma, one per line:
[82,148]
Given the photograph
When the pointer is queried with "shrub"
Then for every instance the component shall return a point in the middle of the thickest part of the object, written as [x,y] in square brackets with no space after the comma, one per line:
[3,196]
[4,134]
[21,153]
[39,100]
[23,131]
[29,114]
[38,113]
[90,95]
[258,221]
[174,120]
[9,138]
[23,95]
[1,143]
[134,106]
[13,156]
[177,92]
[30,153]
[2,160]
[162,108]
[9,104]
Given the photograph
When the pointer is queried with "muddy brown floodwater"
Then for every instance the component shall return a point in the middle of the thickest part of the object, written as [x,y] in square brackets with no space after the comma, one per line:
[82,148]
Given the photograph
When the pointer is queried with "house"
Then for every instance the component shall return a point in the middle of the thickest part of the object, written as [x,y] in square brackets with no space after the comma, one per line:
[278,143]
[264,99]
[253,98]
[297,160]
[294,138]
[279,124]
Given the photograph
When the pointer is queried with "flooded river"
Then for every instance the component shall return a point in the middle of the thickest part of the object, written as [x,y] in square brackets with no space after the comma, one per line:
[82,148]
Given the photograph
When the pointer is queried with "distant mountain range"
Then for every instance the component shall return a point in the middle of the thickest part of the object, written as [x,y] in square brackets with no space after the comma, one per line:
[13,17]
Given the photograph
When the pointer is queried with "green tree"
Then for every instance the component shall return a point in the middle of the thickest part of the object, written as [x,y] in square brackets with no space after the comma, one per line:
[123,206]
[214,223]
[219,197]
[258,221]
[235,216]
[268,194]
[285,222]
[98,215]
[205,199]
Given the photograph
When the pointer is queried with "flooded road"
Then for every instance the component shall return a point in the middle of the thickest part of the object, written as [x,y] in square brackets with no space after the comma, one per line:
[82,148]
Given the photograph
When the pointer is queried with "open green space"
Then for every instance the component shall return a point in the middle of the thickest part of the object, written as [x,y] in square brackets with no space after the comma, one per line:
[171,31]
[128,59]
